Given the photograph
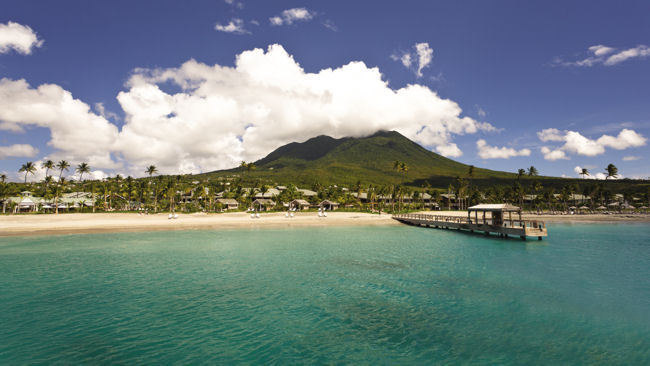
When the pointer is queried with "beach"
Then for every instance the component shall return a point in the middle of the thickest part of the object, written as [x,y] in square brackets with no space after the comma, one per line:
[14,225]
[17,225]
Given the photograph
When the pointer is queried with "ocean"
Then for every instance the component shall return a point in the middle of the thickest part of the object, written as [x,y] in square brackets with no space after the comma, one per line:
[328,295]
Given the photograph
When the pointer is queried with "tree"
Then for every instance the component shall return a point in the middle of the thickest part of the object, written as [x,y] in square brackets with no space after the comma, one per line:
[151,170]
[584,172]
[250,166]
[27,168]
[62,165]
[49,164]
[81,169]
[520,173]
[532,171]
[3,177]
[612,171]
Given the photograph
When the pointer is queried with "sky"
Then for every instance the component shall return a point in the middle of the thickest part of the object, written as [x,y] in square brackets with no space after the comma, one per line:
[196,86]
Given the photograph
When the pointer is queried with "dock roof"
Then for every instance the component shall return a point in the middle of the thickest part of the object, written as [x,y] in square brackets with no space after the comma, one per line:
[504,207]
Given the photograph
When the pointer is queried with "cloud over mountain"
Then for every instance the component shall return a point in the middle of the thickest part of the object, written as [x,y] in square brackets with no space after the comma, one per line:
[220,115]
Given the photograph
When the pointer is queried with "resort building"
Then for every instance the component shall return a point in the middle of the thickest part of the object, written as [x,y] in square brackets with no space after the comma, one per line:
[228,203]
[263,204]
[299,204]
[329,205]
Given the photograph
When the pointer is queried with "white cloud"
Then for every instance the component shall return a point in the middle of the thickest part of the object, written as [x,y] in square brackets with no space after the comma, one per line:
[291,16]
[76,133]
[235,26]
[425,55]
[224,115]
[229,114]
[18,37]
[486,151]
[576,143]
[608,56]
[631,158]
[417,59]
[553,155]
[550,134]
[18,150]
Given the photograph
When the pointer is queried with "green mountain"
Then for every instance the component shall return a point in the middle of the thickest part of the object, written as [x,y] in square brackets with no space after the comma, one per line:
[327,160]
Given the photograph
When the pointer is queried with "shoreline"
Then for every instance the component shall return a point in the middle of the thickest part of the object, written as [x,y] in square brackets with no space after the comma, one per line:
[89,223]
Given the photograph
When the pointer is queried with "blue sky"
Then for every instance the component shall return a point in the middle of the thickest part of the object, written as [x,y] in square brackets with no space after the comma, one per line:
[515,69]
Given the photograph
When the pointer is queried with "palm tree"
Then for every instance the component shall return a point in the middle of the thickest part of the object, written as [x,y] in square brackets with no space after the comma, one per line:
[3,177]
[151,170]
[520,173]
[49,164]
[27,168]
[532,171]
[584,172]
[250,166]
[612,171]
[81,169]
[62,165]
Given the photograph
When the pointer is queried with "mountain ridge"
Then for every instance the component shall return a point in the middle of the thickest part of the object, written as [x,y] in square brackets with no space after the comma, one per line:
[327,160]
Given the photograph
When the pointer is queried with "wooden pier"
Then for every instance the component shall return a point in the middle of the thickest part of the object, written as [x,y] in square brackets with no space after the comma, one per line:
[494,224]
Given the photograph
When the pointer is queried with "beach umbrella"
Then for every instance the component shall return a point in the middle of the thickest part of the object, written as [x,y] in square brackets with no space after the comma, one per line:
[572,208]
[584,208]
[601,208]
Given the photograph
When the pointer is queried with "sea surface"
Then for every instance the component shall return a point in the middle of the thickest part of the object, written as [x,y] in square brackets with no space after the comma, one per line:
[350,295]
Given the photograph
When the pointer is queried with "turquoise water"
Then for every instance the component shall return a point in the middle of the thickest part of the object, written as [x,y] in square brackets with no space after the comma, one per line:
[387,295]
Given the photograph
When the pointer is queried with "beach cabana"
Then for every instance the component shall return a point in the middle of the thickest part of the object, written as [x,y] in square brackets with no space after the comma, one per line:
[228,203]
[497,213]
[263,204]
[328,205]
[299,204]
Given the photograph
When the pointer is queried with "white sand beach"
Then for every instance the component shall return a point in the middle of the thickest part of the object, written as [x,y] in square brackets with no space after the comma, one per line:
[13,225]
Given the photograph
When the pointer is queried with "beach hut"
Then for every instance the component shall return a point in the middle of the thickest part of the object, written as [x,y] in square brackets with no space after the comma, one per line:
[299,204]
[328,205]
[263,204]
[228,203]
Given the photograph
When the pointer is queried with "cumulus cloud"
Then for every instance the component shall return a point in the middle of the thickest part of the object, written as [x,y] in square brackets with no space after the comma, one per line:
[18,150]
[18,37]
[225,114]
[228,114]
[291,16]
[77,133]
[417,59]
[553,155]
[486,151]
[607,56]
[235,26]
[576,143]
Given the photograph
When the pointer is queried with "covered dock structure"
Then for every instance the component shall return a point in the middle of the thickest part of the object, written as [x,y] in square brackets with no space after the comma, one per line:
[487,218]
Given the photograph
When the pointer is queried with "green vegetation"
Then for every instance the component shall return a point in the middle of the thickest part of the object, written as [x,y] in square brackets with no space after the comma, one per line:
[344,161]
[382,172]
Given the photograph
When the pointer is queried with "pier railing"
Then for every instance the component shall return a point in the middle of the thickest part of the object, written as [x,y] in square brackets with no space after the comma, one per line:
[515,223]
